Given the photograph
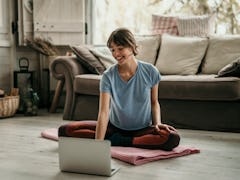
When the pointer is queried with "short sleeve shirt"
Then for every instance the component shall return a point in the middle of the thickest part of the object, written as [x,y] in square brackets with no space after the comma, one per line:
[130,107]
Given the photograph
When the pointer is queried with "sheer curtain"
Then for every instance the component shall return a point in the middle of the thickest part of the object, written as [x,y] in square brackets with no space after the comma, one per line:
[137,15]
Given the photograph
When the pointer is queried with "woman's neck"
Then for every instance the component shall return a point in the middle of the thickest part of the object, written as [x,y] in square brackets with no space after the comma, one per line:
[128,70]
[129,67]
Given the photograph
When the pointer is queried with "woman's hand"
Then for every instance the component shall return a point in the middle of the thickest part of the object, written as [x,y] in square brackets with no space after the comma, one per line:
[169,128]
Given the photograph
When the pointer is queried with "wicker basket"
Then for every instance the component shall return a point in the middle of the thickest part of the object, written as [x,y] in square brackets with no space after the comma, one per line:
[8,106]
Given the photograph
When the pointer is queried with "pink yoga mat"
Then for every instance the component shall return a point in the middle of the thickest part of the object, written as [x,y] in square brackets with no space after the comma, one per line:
[138,156]
[50,134]
[135,156]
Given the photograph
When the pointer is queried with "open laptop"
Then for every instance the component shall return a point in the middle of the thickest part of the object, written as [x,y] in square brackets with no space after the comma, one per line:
[87,156]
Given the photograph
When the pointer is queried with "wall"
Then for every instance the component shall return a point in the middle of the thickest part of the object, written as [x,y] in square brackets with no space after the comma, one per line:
[11,52]
[44,84]
[5,68]
[6,48]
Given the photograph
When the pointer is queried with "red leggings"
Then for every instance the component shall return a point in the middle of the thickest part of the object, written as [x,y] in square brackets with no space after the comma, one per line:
[147,138]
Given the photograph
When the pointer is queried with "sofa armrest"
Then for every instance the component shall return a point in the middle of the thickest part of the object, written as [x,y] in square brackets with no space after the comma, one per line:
[65,68]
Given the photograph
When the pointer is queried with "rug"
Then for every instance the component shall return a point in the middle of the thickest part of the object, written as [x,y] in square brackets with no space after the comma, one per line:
[132,155]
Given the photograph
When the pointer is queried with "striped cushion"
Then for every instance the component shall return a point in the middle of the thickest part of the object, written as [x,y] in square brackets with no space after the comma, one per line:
[195,25]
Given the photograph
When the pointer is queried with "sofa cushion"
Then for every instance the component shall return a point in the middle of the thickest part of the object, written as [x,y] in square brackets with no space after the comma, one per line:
[192,87]
[222,50]
[201,26]
[87,59]
[87,84]
[199,87]
[164,24]
[232,69]
[148,47]
[104,55]
[181,55]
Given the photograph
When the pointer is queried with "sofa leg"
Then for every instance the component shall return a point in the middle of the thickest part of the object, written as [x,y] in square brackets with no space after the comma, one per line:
[58,92]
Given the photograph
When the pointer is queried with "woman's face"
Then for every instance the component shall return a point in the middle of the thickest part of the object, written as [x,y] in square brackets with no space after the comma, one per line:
[121,53]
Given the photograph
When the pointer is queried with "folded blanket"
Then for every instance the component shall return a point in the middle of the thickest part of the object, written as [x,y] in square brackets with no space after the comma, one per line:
[138,156]
[135,156]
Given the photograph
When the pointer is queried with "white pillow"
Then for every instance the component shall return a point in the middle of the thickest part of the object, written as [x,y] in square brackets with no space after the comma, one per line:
[222,50]
[104,55]
[201,26]
[181,55]
[148,47]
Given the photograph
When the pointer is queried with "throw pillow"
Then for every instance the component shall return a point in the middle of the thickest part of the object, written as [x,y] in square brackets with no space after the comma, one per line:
[104,55]
[88,60]
[232,69]
[164,24]
[181,55]
[195,25]
[221,51]
[148,47]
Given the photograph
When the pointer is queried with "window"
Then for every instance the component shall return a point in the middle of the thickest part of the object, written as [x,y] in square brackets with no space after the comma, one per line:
[136,15]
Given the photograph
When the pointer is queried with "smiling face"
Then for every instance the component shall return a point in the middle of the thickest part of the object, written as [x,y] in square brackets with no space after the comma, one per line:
[121,53]
[122,44]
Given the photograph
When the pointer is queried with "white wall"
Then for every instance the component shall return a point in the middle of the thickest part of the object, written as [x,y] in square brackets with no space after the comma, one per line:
[5,46]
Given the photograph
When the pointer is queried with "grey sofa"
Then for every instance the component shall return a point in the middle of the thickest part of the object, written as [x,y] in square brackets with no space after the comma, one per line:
[190,97]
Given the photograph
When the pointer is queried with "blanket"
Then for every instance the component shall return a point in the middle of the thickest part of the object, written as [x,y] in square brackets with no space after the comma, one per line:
[132,155]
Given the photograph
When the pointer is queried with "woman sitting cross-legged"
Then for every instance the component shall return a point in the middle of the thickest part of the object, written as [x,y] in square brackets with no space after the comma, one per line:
[129,111]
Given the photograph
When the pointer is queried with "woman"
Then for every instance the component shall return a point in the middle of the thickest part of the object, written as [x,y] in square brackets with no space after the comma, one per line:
[129,111]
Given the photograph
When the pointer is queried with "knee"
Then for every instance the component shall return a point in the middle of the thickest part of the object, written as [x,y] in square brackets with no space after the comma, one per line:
[175,139]
[69,128]
[172,142]
[62,130]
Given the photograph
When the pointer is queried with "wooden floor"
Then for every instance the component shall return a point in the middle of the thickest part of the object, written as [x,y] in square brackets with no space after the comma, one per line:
[24,155]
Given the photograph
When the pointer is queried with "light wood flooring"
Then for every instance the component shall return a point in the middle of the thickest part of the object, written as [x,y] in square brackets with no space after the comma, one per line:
[24,155]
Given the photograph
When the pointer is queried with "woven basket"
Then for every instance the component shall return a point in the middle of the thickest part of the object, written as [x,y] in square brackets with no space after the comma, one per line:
[8,106]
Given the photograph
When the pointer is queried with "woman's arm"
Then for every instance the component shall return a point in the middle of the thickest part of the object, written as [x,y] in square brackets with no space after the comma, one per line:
[103,116]
[156,112]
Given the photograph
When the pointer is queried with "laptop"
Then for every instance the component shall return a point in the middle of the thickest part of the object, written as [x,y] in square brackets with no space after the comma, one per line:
[86,156]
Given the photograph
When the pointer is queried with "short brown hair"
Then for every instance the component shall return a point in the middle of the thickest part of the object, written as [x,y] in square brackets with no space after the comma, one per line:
[123,37]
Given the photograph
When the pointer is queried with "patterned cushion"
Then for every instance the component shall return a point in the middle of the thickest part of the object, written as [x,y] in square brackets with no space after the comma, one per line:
[164,24]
